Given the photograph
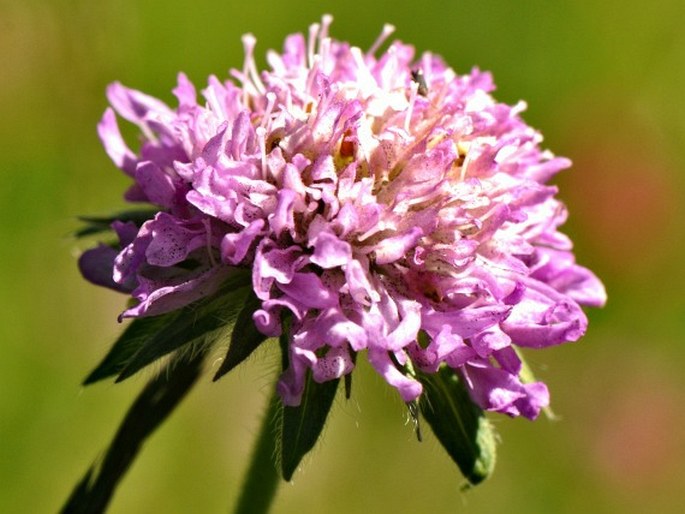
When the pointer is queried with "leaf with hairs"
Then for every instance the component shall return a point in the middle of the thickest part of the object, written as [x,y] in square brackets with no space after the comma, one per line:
[129,342]
[302,425]
[458,423]
[98,224]
[193,322]
[245,337]
[154,404]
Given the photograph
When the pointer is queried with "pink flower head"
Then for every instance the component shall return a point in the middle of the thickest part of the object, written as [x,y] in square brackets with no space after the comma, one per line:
[385,204]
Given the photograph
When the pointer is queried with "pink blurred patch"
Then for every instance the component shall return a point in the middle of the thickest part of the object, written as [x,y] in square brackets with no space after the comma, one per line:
[632,437]
[622,188]
[639,437]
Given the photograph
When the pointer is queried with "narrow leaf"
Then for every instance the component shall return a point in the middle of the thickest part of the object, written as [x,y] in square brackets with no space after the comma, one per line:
[348,378]
[302,425]
[193,322]
[159,398]
[245,337]
[458,423]
[129,342]
[348,386]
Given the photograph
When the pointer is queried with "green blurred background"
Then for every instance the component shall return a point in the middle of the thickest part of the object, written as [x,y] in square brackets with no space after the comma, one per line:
[604,83]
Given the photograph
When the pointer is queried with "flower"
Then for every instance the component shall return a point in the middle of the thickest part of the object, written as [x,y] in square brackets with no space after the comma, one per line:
[383,205]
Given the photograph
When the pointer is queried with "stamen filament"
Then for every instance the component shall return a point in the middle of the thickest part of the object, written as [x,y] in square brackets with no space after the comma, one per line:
[266,117]
[311,43]
[414,87]
[261,139]
[387,30]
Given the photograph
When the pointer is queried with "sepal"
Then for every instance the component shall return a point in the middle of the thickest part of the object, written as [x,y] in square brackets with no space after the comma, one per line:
[98,224]
[137,333]
[245,337]
[302,425]
[193,324]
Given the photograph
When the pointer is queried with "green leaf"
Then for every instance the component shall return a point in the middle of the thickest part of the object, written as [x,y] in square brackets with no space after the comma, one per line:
[98,224]
[302,425]
[348,378]
[245,337]
[261,480]
[129,342]
[192,323]
[159,398]
[458,423]
[348,386]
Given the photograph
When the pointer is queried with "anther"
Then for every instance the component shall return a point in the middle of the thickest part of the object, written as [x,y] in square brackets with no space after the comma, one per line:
[326,21]
[387,30]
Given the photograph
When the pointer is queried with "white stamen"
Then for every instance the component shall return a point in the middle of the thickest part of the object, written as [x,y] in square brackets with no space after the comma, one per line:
[447,77]
[410,109]
[250,67]
[212,101]
[390,70]
[249,42]
[517,109]
[364,77]
[426,68]
[274,60]
[326,21]
[313,68]
[266,117]
[387,30]
[324,52]
[261,139]
[464,166]
[311,43]
[238,75]
[288,101]
[257,80]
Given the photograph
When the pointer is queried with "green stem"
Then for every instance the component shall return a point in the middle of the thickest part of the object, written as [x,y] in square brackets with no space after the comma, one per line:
[261,482]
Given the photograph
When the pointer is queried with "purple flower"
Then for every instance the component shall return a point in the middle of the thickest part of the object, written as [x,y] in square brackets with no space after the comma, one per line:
[385,204]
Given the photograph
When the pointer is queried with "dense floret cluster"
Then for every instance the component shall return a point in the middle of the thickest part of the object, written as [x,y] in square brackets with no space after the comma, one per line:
[388,206]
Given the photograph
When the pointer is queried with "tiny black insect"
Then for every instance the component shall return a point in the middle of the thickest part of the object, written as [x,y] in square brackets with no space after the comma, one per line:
[417,76]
